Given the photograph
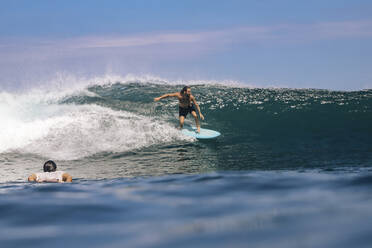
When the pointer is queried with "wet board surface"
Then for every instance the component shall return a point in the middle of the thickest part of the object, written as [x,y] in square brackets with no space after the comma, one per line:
[204,133]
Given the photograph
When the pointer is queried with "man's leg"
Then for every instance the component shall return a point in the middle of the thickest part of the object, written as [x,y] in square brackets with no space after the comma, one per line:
[196,120]
[182,120]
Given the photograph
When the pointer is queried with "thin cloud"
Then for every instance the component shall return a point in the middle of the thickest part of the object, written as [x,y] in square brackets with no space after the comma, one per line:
[346,29]
[135,41]
[169,45]
[269,33]
[281,32]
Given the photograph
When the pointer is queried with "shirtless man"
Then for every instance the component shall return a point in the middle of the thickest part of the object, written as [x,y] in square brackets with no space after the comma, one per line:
[187,105]
[50,174]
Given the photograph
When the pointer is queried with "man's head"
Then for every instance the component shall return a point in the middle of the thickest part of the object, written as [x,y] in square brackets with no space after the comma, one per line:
[50,166]
[186,91]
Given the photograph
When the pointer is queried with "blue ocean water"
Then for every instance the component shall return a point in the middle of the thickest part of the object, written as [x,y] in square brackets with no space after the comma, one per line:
[292,167]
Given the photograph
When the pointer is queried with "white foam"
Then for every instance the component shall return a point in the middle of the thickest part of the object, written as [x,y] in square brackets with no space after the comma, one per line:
[34,123]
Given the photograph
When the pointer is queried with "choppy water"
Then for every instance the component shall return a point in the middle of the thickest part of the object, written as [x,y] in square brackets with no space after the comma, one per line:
[292,167]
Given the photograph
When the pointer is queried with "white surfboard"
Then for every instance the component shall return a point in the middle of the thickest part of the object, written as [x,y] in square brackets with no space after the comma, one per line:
[204,133]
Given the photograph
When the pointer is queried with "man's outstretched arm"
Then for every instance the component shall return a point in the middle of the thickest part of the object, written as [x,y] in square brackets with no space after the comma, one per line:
[165,96]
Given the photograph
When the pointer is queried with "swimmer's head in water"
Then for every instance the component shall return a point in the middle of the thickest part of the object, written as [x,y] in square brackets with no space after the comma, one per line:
[50,166]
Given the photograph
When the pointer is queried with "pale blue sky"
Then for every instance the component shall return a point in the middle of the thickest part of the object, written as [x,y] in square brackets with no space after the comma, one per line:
[297,44]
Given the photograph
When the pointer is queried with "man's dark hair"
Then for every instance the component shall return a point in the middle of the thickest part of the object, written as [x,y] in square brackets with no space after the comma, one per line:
[50,166]
[184,89]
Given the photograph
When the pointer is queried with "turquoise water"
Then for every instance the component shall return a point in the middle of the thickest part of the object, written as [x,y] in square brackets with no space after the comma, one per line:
[292,167]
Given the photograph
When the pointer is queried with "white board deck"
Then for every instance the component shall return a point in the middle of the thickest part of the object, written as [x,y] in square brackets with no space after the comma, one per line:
[204,133]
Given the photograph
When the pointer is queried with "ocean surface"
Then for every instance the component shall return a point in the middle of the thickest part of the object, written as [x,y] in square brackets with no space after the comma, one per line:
[292,168]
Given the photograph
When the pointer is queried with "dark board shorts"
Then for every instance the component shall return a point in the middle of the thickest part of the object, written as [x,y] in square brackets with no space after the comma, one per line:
[185,111]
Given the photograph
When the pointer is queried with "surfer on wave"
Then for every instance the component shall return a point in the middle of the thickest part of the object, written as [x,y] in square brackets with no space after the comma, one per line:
[187,104]
[50,174]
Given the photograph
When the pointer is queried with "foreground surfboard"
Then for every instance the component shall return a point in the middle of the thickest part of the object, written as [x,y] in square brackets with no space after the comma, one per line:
[204,133]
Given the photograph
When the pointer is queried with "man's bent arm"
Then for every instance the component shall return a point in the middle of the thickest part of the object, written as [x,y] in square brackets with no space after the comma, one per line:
[198,108]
